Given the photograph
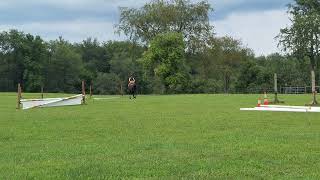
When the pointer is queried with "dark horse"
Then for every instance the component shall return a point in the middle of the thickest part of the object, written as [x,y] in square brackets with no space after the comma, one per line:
[132,89]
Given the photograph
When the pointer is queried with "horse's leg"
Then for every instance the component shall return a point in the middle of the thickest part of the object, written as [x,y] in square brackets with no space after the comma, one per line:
[134,91]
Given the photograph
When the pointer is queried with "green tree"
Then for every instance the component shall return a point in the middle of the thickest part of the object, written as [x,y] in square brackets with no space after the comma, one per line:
[23,59]
[123,61]
[107,83]
[64,67]
[302,38]
[162,16]
[35,59]
[165,59]
[12,50]
[290,70]
[95,58]
[228,53]
[248,78]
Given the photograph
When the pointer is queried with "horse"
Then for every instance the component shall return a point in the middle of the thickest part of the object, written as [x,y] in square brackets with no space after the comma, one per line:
[132,89]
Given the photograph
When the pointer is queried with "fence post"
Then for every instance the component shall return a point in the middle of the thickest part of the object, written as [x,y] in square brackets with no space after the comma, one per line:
[314,92]
[41,92]
[276,99]
[83,93]
[19,97]
[90,90]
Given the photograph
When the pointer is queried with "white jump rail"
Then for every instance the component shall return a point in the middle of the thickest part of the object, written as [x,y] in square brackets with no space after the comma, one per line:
[51,102]
[107,98]
[277,108]
[291,107]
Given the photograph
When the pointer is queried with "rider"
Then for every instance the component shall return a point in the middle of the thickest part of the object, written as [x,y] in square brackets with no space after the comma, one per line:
[132,80]
[132,86]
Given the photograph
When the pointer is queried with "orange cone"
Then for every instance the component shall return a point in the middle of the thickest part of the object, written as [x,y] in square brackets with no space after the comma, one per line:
[259,102]
[265,101]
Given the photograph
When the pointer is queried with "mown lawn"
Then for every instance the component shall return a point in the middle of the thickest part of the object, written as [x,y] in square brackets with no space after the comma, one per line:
[161,137]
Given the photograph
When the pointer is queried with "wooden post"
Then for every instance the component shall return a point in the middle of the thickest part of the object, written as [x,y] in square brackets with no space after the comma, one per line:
[276,100]
[275,83]
[314,91]
[83,93]
[41,92]
[20,93]
[19,97]
[91,90]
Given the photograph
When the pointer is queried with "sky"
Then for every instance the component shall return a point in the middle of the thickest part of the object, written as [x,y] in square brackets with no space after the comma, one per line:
[254,22]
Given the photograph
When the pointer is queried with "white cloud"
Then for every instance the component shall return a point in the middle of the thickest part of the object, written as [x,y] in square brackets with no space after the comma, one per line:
[257,30]
[97,5]
[74,31]
[73,4]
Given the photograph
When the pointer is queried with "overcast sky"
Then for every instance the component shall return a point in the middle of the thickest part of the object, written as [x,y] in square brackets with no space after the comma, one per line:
[255,22]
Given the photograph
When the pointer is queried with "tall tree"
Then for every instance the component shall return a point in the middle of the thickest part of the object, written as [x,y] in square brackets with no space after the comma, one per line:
[35,59]
[12,49]
[162,16]
[95,58]
[123,61]
[229,54]
[165,59]
[302,38]
[248,77]
[64,67]
[23,58]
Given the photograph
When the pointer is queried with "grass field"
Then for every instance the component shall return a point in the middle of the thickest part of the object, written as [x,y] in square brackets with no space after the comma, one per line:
[160,137]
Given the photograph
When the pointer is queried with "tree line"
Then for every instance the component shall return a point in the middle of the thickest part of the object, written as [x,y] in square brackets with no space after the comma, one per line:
[171,48]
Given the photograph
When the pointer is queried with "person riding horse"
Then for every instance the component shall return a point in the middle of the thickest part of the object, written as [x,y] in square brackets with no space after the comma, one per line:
[131,80]
[132,86]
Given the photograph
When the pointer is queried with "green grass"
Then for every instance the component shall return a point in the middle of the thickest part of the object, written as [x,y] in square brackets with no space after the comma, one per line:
[160,137]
